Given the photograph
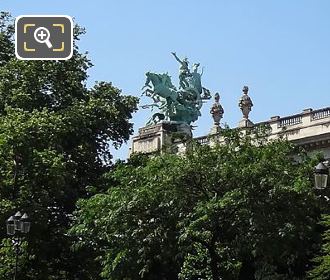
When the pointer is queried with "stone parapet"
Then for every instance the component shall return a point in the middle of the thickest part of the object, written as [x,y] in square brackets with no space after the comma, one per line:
[154,138]
[310,129]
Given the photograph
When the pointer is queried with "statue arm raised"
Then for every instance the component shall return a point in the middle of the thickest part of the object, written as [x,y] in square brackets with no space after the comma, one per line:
[175,56]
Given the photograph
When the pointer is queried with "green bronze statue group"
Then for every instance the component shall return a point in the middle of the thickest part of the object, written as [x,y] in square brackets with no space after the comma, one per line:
[182,105]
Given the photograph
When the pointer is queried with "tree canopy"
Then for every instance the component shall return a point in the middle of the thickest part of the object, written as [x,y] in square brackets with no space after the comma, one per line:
[322,269]
[243,210]
[55,139]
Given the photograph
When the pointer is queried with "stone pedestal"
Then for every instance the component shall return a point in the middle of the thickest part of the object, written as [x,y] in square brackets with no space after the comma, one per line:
[215,129]
[245,123]
[154,138]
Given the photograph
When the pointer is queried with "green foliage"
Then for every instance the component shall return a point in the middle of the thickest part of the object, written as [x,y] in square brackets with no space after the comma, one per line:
[244,210]
[7,258]
[322,270]
[55,140]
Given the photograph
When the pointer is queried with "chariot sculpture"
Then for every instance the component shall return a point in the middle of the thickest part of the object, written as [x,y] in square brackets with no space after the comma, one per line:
[180,105]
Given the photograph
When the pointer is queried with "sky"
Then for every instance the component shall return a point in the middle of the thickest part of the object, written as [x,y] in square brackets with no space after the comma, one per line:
[279,48]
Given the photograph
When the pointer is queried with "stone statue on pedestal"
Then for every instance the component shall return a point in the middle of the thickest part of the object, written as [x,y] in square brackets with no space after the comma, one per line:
[245,104]
[182,106]
[217,114]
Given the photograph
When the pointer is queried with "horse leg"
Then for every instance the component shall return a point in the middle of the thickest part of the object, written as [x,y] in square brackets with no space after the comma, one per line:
[151,93]
[148,91]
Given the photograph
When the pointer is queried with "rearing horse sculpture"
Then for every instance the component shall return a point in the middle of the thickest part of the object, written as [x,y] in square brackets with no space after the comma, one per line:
[176,105]
[162,86]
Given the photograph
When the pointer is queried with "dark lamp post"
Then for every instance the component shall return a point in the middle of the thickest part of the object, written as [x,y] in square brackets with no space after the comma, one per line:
[321,175]
[10,226]
[17,221]
[26,224]
[17,226]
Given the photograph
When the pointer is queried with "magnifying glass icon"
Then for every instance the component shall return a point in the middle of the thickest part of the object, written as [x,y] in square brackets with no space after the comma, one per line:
[42,35]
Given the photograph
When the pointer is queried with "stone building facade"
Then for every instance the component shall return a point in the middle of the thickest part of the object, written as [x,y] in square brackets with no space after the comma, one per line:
[309,129]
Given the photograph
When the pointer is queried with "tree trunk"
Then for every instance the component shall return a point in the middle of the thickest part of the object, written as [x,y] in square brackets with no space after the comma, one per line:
[247,271]
[214,263]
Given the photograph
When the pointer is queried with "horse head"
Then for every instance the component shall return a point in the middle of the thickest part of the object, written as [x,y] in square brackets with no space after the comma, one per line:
[153,78]
[146,84]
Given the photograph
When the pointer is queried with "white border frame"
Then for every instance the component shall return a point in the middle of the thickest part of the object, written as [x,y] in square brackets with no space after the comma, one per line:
[62,58]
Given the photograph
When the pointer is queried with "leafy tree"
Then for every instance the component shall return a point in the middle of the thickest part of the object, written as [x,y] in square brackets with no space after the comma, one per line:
[242,210]
[55,139]
[322,270]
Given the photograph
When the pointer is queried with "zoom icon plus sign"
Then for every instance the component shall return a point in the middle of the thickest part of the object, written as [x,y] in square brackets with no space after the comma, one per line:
[44,37]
